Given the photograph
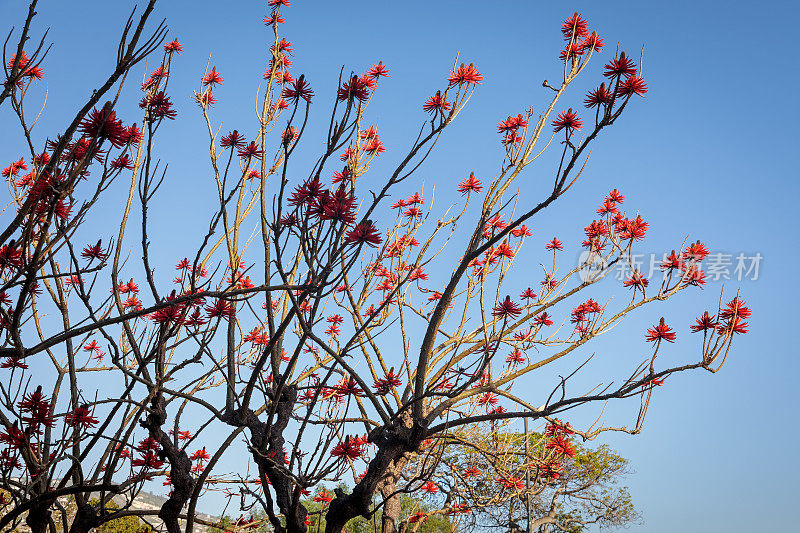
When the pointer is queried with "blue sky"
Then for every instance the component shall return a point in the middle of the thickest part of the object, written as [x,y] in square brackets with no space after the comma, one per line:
[706,155]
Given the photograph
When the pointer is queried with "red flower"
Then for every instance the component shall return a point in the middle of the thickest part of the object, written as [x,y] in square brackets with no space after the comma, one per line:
[323,496]
[511,483]
[733,314]
[159,106]
[81,418]
[123,161]
[575,27]
[593,42]
[417,517]
[37,410]
[471,472]
[436,103]
[378,70]
[599,96]
[620,66]
[104,125]
[94,252]
[354,89]
[383,385]
[735,307]
[632,85]
[375,146]
[349,447]
[558,426]
[636,281]
[694,276]
[696,251]
[92,347]
[673,261]
[13,436]
[515,358]
[430,487]
[173,46]
[133,135]
[561,445]
[274,18]
[506,308]
[528,294]
[299,89]
[200,455]
[251,150]
[487,398]
[734,325]
[148,444]
[221,308]
[635,229]
[661,331]
[14,168]
[555,244]
[349,387]
[465,74]
[704,323]
[363,233]
[13,362]
[148,460]
[511,124]
[567,120]
[172,313]
[615,196]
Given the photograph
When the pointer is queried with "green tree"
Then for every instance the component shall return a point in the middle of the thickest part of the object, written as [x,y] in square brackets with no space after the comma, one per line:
[410,504]
[489,479]
[125,524]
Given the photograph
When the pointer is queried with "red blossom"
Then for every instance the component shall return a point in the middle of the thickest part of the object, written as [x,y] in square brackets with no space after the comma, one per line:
[575,27]
[363,233]
[173,46]
[555,244]
[350,447]
[506,308]
[81,418]
[632,85]
[251,150]
[620,66]
[567,120]
[696,251]
[436,103]
[354,89]
[103,125]
[378,70]
[465,75]
[659,332]
[94,252]
[298,89]
[200,455]
[704,323]
[599,96]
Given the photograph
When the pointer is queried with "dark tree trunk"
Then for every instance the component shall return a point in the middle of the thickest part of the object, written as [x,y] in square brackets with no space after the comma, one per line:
[393,443]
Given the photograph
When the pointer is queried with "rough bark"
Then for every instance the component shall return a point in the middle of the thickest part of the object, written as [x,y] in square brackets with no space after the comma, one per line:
[393,442]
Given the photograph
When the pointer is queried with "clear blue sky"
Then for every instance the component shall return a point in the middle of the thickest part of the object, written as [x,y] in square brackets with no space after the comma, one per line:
[705,154]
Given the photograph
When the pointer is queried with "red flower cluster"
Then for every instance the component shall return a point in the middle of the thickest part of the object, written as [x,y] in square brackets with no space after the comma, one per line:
[659,332]
[567,120]
[578,40]
[436,103]
[350,447]
[622,71]
[462,75]
[506,309]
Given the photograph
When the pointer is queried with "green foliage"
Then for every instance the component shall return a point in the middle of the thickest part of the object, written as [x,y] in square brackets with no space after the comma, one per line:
[126,524]
[409,504]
